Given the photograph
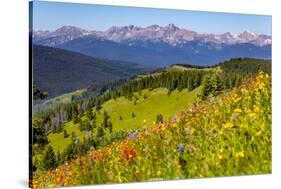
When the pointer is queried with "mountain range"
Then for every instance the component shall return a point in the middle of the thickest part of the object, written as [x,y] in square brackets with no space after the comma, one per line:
[157,45]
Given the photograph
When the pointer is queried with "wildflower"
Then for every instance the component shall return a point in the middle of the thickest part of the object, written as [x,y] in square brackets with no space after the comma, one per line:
[237,110]
[133,135]
[129,154]
[256,109]
[221,157]
[162,127]
[180,148]
[258,134]
[158,173]
[132,153]
[228,125]
[240,154]
[126,154]
[251,115]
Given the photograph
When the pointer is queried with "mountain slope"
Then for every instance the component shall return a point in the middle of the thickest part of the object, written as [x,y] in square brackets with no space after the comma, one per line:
[225,136]
[59,71]
[161,54]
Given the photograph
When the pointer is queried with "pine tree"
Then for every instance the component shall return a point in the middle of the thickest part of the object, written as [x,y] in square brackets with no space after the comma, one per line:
[49,158]
[110,126]
[133,115]
[100,133]
[65,134]
[159,118]
[105,119]
[90,114]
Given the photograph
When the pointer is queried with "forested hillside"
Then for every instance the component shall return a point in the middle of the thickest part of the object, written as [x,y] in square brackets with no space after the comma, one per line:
[60,71]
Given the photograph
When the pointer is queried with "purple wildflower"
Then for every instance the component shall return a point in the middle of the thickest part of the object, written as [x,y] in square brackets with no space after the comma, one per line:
[180,148]
[133,135]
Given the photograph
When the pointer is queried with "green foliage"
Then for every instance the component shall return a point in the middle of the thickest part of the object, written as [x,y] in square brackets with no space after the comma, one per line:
[133,115]
[90,115]
[37,94]
[159,118]
[212,85]
[100,133]
[105,119]
[85,125]
[49,159]
[245,65]
[65,134]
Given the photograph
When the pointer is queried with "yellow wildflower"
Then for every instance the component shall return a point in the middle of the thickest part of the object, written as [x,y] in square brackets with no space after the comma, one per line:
[240,154]
[251,115]
[243,125]
[158,173]
[258,134]
[256,109]
[228,125]
[237,110]
[236,98]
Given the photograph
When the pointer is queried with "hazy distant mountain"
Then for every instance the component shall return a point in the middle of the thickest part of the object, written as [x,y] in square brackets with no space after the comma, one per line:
[170,34]
[58,71]
[156,45]
[59,36]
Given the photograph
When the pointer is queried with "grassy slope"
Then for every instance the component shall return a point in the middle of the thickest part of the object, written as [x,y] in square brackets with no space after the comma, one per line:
[65,98]
[145,110]
[176,68]
[226,135]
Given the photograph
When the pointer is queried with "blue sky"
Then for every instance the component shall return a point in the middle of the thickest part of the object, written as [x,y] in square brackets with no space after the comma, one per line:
[52,15]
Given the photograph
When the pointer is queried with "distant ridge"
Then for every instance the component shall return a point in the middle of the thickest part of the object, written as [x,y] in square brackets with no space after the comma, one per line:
[58,71]
[170,34]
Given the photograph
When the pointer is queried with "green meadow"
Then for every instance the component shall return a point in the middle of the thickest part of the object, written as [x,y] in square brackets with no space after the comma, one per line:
[145,105]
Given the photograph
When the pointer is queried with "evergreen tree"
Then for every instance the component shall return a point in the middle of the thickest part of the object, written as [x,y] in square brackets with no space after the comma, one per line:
[49,158]
[89,114]
[100,133]
[105,119]
[159,118]
[98,104]
[110,126]
[133,115]
[65,134]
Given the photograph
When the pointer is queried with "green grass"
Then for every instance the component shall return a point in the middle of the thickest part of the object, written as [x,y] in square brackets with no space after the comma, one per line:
[146,110]
[65,98]
[178,68]
[58,142]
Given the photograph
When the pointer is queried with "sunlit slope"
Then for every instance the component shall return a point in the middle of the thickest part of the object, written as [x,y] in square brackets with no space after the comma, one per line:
[226,135]
[149,103]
